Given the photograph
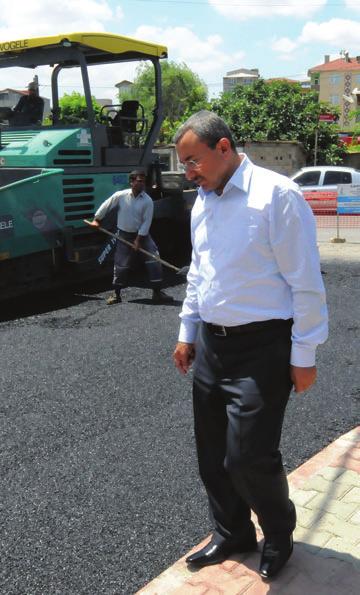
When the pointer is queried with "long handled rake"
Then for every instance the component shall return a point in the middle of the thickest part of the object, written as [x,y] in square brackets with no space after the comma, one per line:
[181,271]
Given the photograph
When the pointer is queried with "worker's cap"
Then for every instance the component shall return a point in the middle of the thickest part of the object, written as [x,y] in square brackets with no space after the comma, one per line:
[32,86]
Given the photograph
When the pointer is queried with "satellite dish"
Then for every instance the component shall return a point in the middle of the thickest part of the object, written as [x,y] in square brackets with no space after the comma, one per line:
[355,91]
[348,98]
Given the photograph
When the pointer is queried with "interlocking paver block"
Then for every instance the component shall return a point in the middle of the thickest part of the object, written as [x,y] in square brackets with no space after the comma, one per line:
[342,509]
[339,528]
[306,517]
[341,547]
[309,537]
[349,477]
[326,559]
[167,582]
[216,580]
[355,518]
[352,495]
[336,488]
[348,462]
[331,473]
[302,497]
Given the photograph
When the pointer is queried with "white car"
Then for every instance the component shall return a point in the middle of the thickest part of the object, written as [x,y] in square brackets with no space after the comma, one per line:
[319,185]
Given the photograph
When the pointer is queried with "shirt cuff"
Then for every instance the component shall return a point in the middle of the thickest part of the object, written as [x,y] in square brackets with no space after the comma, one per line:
[188,331]
[302,356]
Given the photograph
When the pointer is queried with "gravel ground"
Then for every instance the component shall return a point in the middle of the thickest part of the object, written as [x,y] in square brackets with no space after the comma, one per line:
[99,483]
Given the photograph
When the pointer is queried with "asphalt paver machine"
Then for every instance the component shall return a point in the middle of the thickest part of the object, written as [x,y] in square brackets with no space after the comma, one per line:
[54,174]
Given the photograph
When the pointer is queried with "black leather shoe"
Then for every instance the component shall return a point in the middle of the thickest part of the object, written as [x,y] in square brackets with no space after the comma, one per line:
[275,554]
[218,549]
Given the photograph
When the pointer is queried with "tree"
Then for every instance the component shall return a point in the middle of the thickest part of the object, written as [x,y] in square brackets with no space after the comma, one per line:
[74,110]
[280,110]
[183,93]
[355,146]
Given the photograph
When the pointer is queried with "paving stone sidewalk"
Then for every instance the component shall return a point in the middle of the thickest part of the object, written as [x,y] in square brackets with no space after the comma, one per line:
[326,558]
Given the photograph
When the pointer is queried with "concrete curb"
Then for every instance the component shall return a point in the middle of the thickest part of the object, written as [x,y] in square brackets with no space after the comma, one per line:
[326,559]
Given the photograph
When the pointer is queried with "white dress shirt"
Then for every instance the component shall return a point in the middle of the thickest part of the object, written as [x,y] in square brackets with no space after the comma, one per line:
[135,213]
[255,258]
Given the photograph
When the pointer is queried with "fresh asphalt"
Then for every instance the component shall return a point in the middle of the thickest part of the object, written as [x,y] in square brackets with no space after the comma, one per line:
[99,486]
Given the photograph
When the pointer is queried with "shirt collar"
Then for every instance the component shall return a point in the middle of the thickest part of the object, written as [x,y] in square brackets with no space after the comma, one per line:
[240,178]
[140,195]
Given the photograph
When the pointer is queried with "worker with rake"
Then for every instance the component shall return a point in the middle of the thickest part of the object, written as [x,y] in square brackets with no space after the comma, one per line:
[134,215]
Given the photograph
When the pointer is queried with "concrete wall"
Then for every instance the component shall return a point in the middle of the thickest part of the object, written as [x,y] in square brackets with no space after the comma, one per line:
[285,157]
[352,160]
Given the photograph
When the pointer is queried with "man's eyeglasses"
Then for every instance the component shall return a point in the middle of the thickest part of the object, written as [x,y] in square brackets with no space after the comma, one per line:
[189,164]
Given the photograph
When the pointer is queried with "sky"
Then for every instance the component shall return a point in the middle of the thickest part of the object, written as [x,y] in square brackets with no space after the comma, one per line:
[282,38]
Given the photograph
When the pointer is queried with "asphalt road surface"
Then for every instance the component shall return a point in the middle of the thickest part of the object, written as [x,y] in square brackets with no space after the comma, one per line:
[99,488]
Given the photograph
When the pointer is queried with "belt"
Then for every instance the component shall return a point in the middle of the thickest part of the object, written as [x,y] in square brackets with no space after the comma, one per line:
[223,331]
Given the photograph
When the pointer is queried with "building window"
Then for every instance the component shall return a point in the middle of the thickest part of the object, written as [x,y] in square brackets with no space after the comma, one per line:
[335,79]
[334,99]
[357,79]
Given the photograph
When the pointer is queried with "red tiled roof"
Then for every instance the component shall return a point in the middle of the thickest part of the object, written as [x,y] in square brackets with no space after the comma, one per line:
[337,65]
[14,91]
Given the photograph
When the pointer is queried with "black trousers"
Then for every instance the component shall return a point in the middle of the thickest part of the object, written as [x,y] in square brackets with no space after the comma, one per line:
[241,388]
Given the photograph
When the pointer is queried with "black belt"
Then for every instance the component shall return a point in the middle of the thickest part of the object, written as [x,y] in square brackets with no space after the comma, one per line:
[224,331]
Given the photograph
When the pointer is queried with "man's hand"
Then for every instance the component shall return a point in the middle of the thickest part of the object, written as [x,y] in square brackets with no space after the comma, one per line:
[183,356]
[94,223]
[137,243]
[302,378]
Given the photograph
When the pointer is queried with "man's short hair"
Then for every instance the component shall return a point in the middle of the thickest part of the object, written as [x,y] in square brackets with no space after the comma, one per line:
[208,126]
[137,172]
[32,86]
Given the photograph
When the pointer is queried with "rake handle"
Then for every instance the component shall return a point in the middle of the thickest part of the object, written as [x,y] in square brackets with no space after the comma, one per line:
[114,235]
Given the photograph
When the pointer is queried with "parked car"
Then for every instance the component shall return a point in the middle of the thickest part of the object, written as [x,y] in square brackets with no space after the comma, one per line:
[319,185]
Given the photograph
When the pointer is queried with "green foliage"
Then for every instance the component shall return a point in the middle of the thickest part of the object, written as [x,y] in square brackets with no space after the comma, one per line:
[74,110]
[183,93]
[280,111]
[354,147]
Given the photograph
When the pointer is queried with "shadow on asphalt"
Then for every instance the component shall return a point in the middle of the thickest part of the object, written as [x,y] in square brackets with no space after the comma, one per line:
[149,302]
[35,303]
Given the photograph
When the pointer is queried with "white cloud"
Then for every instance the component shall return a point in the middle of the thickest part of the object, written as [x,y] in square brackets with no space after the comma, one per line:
[41,18]
[352,5]
[243,10]
[284,45]
[203,56]
[336,32]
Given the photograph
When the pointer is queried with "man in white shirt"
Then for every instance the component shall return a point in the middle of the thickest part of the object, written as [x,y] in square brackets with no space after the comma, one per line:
[252,318]
[135,210]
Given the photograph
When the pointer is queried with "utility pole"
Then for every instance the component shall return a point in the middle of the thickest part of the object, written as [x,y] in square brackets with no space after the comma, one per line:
[316,144]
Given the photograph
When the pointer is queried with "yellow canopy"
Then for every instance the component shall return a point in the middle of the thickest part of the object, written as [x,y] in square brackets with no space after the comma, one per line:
[106,43]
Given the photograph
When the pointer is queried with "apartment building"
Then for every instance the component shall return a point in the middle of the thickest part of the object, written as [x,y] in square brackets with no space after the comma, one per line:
[241,76]
[338,82]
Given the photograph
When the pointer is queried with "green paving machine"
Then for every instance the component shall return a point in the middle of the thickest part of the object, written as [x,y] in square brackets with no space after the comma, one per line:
[55,173]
